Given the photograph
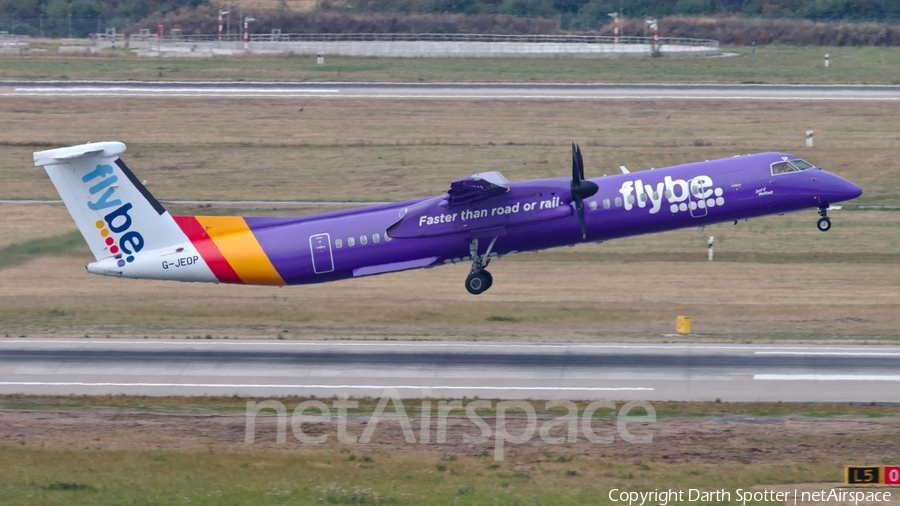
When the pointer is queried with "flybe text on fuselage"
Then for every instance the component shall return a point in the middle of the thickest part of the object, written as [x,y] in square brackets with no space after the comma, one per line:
[679,194]
[102,188]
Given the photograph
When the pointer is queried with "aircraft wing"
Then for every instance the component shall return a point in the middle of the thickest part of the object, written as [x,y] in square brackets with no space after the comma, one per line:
[478,187]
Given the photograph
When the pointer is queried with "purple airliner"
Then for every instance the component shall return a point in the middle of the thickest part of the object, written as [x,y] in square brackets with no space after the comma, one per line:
[480,218]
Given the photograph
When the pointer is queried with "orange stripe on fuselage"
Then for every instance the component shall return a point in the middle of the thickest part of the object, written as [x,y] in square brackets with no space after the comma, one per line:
[241,249]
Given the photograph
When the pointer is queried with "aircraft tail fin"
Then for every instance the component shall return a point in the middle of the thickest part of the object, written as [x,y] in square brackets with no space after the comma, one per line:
[114,212]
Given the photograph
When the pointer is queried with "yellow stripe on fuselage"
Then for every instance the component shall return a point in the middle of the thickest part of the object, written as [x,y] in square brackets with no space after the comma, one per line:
[241,249]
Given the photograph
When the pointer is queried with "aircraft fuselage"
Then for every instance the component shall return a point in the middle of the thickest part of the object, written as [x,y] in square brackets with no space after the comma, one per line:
[531,215]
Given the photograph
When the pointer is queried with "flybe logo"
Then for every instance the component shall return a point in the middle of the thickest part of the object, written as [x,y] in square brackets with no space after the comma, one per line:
[681,195]
[117,222]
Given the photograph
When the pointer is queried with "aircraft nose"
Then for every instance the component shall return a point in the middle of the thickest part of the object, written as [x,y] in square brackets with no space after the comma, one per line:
[838,189]
[853,191]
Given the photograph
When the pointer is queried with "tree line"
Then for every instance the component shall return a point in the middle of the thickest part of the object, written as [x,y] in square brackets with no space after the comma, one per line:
[61,18]
[590,14]
[78,18]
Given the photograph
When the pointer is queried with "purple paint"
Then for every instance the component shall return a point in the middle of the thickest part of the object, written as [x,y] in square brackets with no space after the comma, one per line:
[539,214]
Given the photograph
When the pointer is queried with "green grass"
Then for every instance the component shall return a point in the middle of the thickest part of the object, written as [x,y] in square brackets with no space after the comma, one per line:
[770,64]
[17,253]
[37,469]
[50,477]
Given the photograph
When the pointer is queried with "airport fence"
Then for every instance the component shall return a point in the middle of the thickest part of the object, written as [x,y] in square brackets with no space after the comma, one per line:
[277,36]
[420,45]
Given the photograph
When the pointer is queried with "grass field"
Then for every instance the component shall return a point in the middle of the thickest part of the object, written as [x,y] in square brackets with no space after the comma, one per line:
[273,150]
[138,450]
[770,64]
[775,279]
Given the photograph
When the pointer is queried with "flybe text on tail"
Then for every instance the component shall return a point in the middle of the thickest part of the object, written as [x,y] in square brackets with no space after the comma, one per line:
[101,186]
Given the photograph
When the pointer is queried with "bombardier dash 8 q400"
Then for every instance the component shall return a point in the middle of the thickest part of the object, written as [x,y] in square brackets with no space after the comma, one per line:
[480,218]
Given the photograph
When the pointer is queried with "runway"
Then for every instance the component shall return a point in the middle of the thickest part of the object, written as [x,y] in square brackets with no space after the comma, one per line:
[451,370]
[447,91]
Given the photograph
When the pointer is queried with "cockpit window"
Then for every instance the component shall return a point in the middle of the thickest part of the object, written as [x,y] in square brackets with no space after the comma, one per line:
[786,166]
[782,167]
[801,164]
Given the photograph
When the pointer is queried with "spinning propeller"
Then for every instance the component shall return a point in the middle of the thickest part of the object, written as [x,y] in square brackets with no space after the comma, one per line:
[581,189]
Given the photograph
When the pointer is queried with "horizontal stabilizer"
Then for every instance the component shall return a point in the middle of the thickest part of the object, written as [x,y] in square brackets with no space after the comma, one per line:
[67,155]
[119,219]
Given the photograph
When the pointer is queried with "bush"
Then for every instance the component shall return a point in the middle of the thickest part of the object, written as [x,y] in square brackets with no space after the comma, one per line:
[528,8]
[203,20]
[470,7]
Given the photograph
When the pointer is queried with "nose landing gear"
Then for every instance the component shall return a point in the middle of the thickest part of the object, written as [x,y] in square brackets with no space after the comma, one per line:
[824,223]
[479,280]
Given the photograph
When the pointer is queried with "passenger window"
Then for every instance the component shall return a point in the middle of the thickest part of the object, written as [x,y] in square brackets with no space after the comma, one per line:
[350,242]
[631,199]
[618,201]
[387,238]
[376,238]
[668,194]
[605,203]
[593,205]
[338,243]
[643,197]
[655,195]
[363,240]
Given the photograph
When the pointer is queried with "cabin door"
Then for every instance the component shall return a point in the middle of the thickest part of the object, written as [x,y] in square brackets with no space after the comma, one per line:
[735,183]
[320,249]
[697,204]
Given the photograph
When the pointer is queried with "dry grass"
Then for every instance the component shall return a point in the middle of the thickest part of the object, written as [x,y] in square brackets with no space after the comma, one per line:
[627,290]
[271,150]
[775,279]
[769,65]
[115,449]
[23,223]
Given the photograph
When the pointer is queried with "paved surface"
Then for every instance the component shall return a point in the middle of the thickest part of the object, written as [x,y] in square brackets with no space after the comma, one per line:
[441,91]
[444,369]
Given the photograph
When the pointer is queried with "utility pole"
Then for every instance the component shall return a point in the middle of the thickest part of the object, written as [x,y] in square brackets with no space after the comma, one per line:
[247,21]
[615,16]
[221,13]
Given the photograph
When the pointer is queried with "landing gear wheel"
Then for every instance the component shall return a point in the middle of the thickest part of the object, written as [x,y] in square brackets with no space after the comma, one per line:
[824,224]
[477,282]
[490,280]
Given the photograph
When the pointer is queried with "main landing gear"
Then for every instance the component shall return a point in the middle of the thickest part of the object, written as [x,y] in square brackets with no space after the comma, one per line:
[479,280]
[824,223]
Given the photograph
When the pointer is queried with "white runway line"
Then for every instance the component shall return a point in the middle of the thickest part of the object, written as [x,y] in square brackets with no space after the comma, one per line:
[187,89]
[238,385]
[426,96]
[433,344]
[826,377]
[831,353]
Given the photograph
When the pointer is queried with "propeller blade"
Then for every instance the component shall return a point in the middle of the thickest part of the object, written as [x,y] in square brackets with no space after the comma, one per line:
[579,207]
[576,173]
[581,189]
[580,163]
